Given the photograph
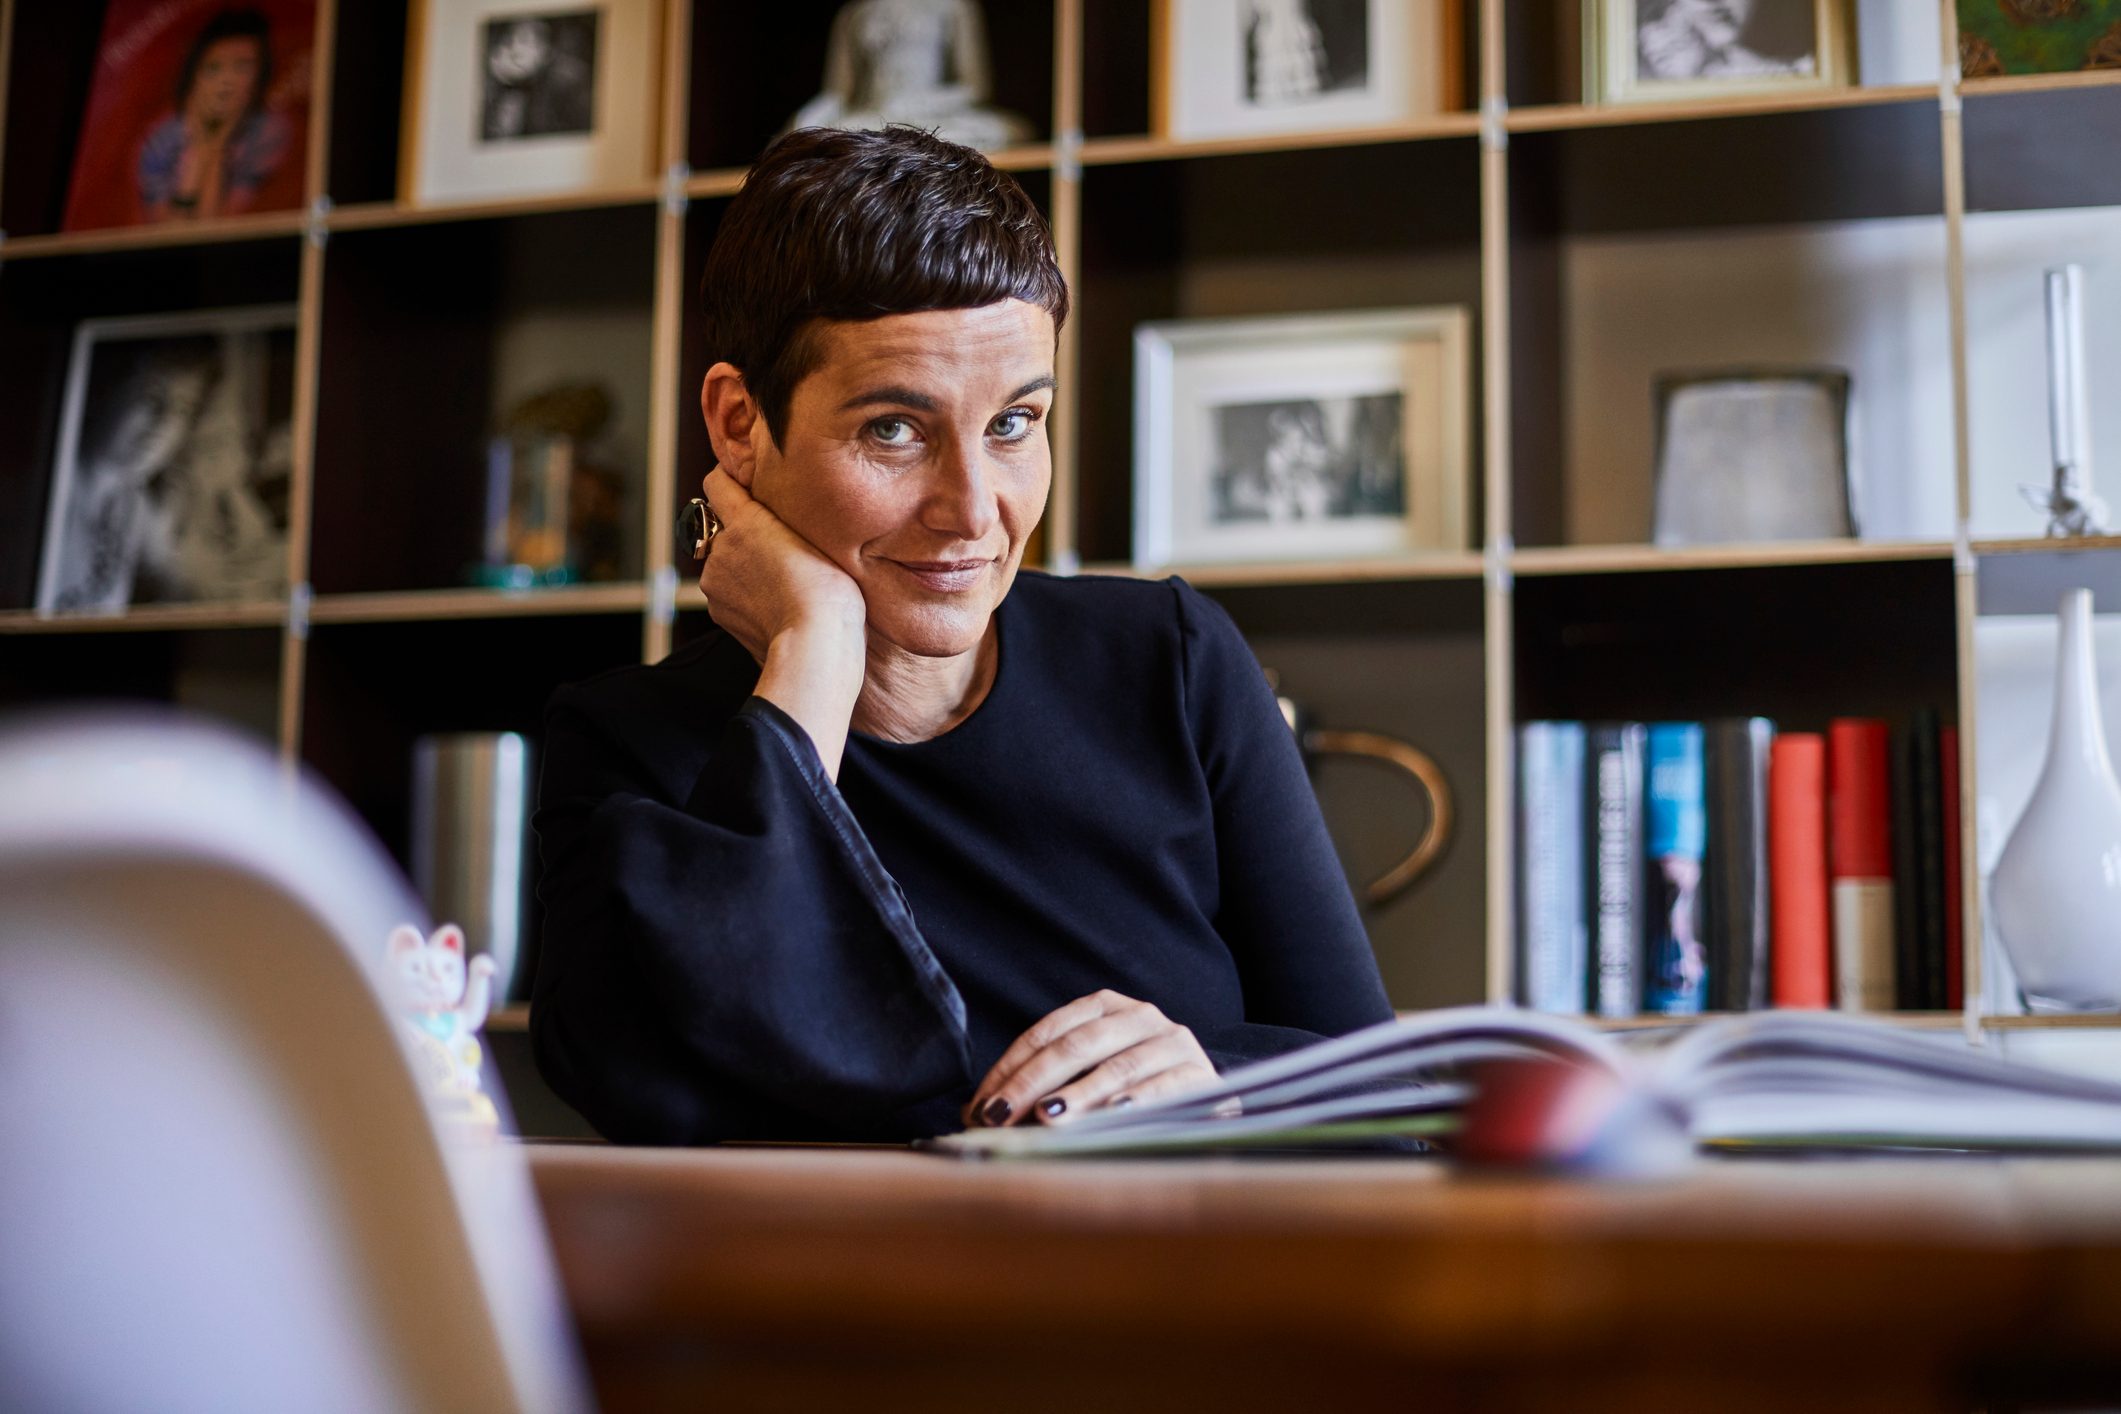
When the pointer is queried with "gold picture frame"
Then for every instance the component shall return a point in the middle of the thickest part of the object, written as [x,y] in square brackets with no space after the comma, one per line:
[1407,64]
[519,98]
[1814,50]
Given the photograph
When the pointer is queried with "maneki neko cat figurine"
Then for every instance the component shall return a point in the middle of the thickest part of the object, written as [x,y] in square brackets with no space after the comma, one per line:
[443,1001]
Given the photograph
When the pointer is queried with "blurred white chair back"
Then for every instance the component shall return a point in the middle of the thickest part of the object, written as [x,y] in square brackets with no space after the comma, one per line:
[220,1185]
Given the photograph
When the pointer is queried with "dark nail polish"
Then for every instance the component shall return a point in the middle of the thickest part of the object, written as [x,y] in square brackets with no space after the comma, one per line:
[996,1112]
[1122,1102]
[1054,1108]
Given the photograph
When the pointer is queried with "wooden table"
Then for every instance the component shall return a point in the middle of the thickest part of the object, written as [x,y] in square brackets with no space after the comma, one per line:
[856,1279]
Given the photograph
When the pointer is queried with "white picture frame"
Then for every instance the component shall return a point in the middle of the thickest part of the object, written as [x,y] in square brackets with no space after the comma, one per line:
[172,433]
[1352,64]
[1614,63]
[1301,437]
[509,98]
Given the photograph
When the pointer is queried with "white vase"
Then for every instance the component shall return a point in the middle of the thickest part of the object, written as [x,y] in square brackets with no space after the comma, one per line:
[2057,886]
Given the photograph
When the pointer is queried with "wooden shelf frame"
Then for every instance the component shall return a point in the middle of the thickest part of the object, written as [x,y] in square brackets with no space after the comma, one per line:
[1495,561]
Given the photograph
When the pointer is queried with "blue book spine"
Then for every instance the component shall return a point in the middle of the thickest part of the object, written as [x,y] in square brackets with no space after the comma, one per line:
[1675,830]
[1554,934]
[1615,756]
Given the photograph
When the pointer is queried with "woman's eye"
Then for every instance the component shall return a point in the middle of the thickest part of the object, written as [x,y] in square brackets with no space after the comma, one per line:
[892,431]
[1013,424]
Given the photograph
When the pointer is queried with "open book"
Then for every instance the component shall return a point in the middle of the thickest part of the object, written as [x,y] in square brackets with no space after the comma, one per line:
[1798,1079]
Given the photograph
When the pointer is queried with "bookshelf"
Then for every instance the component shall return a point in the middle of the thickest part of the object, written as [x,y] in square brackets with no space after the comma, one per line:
[1541,214]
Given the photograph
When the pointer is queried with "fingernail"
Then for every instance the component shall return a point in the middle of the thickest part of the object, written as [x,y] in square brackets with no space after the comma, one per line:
[1053,1108]
[1122,1102]
[996,1112]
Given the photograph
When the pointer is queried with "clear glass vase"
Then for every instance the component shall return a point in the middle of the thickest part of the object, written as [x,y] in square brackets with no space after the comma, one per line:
[2057,885]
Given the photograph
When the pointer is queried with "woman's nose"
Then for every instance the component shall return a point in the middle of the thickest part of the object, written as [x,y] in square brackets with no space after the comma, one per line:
[961,501]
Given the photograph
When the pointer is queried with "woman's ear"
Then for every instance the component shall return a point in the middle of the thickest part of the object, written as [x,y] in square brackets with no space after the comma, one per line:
[734,423]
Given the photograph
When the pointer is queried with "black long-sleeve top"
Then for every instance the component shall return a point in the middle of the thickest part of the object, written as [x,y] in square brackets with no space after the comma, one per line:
[734,947]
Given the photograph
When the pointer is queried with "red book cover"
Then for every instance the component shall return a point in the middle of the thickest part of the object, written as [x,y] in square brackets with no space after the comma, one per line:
[1860,861]
[1954,946]
[197,109]
[1800,916]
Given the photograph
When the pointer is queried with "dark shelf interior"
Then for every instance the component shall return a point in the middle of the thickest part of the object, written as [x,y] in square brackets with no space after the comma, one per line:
[2034,151]
[1384,226]
[1800,644]
[52,56]
[42,305]
[739,105]
[415,320]
[367,101]
[231,674]
[1406,659]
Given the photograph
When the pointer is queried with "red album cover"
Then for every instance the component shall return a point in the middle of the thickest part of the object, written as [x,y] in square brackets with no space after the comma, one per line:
[198,109]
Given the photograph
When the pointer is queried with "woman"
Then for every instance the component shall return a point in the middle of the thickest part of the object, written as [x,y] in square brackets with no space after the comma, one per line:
[210,157]
[915,840]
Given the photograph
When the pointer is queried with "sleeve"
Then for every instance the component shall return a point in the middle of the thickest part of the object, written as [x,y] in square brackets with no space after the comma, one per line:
[1284,907]
[737,964]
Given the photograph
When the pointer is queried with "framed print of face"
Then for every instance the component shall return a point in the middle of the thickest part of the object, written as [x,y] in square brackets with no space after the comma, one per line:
[1675,50]
[1300,437]
[520,97]
[175,460]
[1231,68]
[197,109]
[1748,456]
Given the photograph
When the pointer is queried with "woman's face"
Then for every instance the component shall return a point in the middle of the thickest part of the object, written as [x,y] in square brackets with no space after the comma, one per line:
[915,458]
[226,81]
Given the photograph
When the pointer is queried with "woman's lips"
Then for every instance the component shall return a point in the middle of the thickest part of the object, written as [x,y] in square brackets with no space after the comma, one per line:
[946,576]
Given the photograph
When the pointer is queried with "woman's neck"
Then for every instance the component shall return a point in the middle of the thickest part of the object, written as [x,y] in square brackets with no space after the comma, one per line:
[906,697]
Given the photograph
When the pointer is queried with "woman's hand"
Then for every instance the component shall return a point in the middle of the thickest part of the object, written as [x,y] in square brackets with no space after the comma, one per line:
[1104,1049]
[762,579]
[795,611]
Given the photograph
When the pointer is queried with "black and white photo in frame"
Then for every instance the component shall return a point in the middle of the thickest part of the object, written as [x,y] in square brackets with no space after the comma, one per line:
[1300,437]
[1233,67]
[1752,455]
[1656,50]
[540,75]
[174,464]
[522,97]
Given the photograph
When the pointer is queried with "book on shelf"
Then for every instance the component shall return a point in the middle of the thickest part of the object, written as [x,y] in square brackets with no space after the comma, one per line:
[1800,911]
[1681,867]
[1859,833]
[1616,754]
[1458,1078]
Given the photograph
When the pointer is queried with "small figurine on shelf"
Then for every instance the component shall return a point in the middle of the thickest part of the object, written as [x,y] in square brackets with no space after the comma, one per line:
[922,62]
[552,503]
[443,1002]
[2070,504]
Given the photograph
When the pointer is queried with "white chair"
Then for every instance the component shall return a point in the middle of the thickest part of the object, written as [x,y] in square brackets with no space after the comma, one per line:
[220,1186]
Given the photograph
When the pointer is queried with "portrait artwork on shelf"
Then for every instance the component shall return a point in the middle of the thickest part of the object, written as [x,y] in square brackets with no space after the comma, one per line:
[1230,68]
[524,97]
[1998,37]
[1300,437]
[174,465]
[1746,455]
[197,109]
[1665,50]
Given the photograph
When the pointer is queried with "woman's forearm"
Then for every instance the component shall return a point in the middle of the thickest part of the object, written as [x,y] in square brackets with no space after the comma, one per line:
[813,672]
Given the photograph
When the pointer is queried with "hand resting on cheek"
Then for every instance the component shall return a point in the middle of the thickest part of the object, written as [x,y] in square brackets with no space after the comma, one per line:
[762,579]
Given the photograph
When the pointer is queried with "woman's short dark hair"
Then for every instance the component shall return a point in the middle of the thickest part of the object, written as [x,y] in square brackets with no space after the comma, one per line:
[229,24]
[836,225]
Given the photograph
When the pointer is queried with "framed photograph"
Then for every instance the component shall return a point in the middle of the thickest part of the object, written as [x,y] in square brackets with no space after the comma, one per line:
[1230,68]
[1300,437]
[1650,51]
[1747,455]
[175,459]
[1998,37]
[522,97]
[196,109]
